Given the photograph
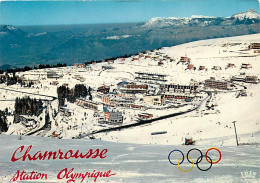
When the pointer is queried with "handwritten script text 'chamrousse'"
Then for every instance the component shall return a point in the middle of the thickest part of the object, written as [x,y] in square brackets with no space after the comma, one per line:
[21,154]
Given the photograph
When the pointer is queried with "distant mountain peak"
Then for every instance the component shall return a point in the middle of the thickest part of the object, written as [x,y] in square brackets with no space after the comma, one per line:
[250,14]
[8,27]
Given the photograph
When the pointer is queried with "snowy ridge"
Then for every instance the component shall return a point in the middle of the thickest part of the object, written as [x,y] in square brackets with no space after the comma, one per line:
[199,19]
[161,22]
[250,14]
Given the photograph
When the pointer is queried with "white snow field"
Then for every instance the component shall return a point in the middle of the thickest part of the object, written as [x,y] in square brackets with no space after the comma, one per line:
[132,163]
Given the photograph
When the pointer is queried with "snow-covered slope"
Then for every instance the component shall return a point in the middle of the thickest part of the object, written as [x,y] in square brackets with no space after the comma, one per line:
[250,14]
[131,163]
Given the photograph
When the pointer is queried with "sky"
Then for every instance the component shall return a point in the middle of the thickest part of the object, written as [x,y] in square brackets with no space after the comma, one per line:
[94,12]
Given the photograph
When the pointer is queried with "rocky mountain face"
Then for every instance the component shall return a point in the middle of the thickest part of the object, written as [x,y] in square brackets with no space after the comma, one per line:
[21,46]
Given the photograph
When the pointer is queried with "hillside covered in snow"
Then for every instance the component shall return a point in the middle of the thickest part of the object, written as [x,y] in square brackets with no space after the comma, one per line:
[190,91]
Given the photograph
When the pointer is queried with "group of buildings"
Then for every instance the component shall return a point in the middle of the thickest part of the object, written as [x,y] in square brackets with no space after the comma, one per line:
[151,90]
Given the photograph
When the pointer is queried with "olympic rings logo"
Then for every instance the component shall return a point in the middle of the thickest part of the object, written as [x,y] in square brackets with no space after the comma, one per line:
[199,159]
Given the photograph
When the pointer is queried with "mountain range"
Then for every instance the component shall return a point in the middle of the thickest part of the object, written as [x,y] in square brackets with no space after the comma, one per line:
[248,17]
[32,45]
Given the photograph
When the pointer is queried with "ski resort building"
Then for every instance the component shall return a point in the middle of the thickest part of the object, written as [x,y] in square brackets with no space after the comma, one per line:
[154,100]
[103,89]
[53,74]
[160,63]
[112,116]
[145,115]
[117,101]
[87,104]
[230,65]
[246,66]
[179,96]
[246,79]
[202,67]
[176,88]
[254,46]
[216,68]
[133,88]
[251,79]
[184,60]
[143,76]
[212,83]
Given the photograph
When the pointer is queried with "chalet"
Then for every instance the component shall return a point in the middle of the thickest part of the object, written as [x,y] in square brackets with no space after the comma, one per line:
[154,100]
[81,65]
[110,61]
[160,63]
[165,56]
[190,66]
[89,104]
[145,115]
[184,59]
[212,83]
[246,66]
[122,59]
[135,58]
[254,46]
[216,68]
[54,83]
[148,56]
[103,89]
[156,57]
[189,141]
[202,68]
[230,65]
[141,55]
